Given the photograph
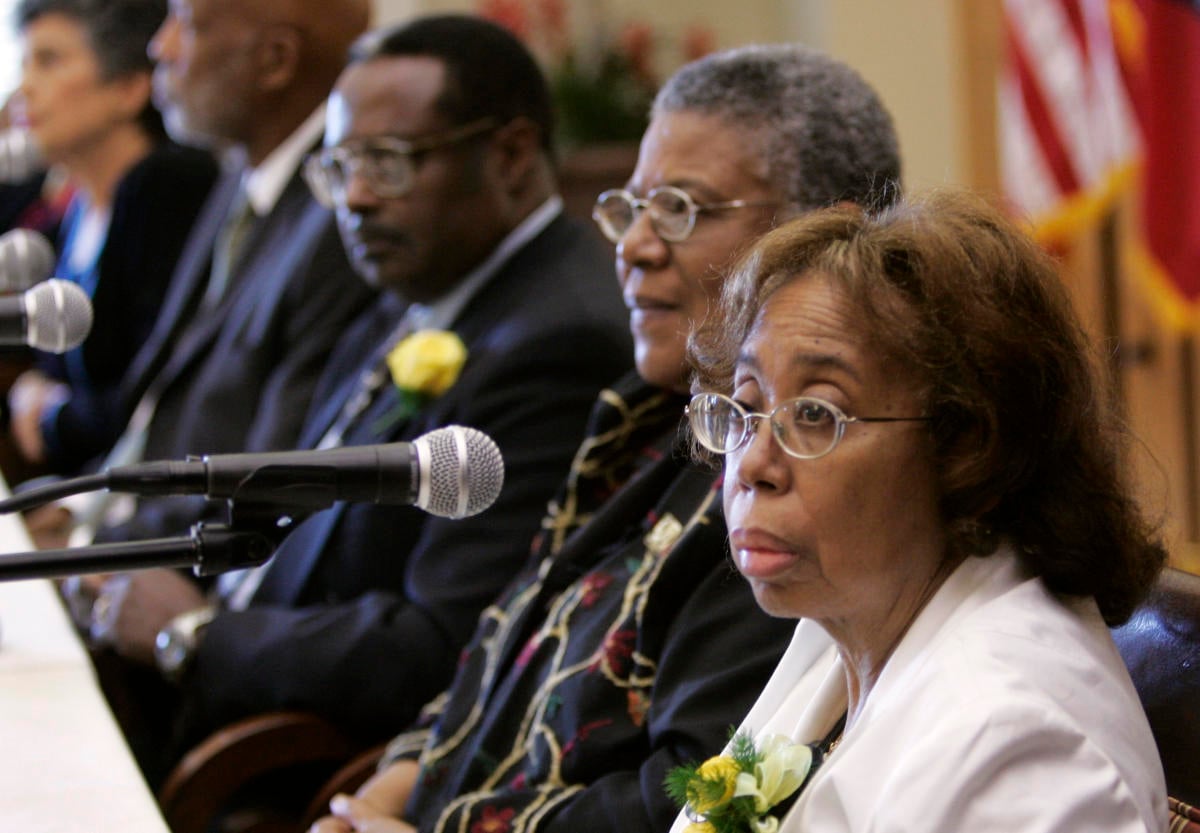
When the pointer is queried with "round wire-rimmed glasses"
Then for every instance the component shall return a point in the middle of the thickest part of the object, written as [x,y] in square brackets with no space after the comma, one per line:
[387,163]
[805,428]
[672,211]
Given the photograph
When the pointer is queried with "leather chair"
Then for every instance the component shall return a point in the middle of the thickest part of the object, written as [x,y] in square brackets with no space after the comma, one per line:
[346,780]
[260,775]
[1161,647]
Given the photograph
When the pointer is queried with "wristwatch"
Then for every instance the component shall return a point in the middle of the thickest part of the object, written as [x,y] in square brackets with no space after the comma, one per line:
[175,645]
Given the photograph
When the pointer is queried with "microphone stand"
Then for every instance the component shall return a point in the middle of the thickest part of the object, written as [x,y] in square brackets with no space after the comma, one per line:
[250,538]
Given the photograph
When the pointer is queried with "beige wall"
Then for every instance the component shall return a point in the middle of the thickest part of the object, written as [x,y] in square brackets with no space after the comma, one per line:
[909,51]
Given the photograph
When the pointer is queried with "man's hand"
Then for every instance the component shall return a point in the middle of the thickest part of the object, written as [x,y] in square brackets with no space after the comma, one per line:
[132,608]
[50,526]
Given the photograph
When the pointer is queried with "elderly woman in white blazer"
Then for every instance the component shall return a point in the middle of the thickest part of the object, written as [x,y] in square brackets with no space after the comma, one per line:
[921,464]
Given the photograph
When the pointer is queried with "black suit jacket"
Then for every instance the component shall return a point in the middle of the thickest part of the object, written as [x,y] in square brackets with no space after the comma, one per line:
[364,608]
[240,377]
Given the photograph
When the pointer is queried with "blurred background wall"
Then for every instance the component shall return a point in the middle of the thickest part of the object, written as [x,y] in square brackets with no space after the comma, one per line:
[910,51]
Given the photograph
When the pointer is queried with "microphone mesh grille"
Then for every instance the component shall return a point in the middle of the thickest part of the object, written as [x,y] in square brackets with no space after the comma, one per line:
[26,257]
[19,156]
[59,316]
[465,472]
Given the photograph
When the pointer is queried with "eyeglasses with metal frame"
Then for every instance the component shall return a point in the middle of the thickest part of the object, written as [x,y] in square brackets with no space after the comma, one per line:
[387,163]
[672,211]
[805,428]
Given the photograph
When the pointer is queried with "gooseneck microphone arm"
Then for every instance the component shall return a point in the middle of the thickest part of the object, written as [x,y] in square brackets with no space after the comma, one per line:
[252,535]
[99,558]
[208,550]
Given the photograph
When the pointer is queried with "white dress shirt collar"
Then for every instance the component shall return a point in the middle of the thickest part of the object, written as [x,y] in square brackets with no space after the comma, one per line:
[265,183]
[443,312]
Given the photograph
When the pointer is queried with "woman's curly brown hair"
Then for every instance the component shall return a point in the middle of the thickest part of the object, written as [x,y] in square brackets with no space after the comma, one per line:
[1027,435]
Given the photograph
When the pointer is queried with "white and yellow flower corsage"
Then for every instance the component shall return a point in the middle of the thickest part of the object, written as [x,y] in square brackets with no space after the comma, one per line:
[424,365]
[734,792]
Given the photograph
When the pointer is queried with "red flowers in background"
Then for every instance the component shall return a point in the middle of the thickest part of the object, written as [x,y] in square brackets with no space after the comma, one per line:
[604,77]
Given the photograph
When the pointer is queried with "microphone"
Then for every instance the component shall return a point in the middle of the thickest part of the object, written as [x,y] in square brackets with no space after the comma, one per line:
[19,156]
[26,257]
[453,472]
[54,315]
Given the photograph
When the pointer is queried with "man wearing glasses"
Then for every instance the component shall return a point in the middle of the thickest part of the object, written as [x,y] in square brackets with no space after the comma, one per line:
[437,161]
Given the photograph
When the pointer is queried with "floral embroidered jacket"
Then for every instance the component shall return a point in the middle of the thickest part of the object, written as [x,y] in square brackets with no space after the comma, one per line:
[630,645]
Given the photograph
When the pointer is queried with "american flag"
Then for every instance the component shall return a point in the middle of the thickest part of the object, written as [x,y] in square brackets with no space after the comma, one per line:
[1068,136]
[1096,97]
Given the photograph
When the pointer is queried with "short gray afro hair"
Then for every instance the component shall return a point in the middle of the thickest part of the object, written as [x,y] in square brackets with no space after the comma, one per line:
[823,132]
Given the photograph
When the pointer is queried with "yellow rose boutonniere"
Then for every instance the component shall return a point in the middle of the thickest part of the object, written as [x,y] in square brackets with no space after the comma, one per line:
[427,362]
[423,366]
[733,793]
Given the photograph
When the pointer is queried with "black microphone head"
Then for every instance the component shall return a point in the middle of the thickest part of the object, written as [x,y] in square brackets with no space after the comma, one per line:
[26,257]
[19,156]
[58,316]
[461,471]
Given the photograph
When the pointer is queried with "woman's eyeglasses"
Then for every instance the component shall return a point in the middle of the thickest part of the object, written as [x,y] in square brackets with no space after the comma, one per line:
[672,212]
[806,428]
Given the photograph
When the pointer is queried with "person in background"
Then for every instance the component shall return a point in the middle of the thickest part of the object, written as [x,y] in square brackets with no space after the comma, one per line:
[261,293]
[32,196]
[85,96]
[924,465]
[438,159]
[628,645]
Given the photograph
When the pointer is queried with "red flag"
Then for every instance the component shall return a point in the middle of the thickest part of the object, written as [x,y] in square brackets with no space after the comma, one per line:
[1161,50]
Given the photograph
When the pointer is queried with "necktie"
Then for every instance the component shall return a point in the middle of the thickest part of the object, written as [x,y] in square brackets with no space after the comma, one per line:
[103,507]
[228,247]
[370,382]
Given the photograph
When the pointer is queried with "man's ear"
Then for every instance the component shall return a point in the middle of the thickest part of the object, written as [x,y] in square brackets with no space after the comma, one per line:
[517,146]
[279,54]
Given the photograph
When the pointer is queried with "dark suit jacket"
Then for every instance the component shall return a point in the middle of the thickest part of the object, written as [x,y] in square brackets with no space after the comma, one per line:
[364,609]
[154,209]
[241,376]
